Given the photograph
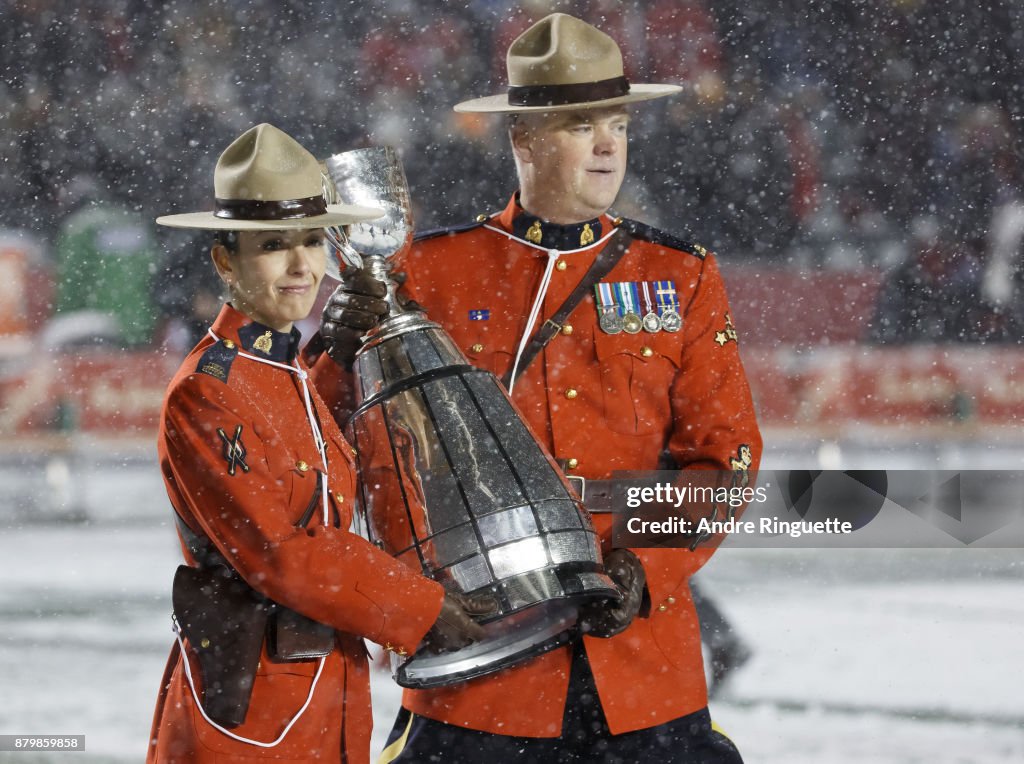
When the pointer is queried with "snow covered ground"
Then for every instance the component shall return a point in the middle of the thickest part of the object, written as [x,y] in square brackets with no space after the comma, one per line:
[898,656]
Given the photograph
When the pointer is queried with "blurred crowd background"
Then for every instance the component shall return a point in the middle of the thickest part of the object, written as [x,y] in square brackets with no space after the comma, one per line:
[812,135]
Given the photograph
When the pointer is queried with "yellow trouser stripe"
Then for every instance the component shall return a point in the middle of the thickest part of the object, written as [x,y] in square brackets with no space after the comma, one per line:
[719,730]
[392,752]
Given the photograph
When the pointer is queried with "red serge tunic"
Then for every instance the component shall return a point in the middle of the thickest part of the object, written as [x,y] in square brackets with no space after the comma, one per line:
[242,469]
[599,402]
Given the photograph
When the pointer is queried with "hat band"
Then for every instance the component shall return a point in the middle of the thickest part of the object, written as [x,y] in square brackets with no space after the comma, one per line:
[561,95]
[286,209]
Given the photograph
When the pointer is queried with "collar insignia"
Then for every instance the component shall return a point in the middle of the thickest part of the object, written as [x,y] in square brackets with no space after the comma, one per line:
[264,343]
[565,238]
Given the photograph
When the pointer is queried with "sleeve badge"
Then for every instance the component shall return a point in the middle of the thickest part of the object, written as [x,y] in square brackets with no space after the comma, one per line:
[233,452]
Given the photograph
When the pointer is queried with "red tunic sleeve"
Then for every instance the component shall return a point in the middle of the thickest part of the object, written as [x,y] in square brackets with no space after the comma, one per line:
[322,571]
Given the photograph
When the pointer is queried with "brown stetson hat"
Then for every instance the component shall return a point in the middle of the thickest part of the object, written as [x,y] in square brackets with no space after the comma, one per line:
[563,63]
[266,181]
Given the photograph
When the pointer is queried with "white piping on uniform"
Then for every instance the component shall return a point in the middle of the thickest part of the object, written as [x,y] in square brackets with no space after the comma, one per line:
[318,441]
[542,290]
[229,733]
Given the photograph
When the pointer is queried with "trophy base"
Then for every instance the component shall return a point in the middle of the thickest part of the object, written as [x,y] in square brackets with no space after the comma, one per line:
[509,640]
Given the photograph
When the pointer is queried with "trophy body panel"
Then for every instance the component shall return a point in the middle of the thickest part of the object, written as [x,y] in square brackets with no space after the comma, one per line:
[483,507]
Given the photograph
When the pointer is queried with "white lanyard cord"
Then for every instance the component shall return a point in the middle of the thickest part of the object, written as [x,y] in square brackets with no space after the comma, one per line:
[229,733]
[318,439]
[542,290]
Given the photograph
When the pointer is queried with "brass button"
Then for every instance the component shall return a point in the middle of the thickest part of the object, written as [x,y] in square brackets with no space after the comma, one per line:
[560,265]
[481,218]
[205,642]
[339,497]
[567,329]
[617,222]
[229,344]
[662,608]
[301,466]
[355,451]
[646,352]
[671,600]
[477,348]
[572,464]
[571,393]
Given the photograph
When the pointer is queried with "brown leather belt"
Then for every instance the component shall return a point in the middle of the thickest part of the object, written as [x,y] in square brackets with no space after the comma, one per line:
[596,495]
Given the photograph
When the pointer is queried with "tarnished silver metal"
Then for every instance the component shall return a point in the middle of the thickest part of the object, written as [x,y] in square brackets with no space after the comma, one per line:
[453,482]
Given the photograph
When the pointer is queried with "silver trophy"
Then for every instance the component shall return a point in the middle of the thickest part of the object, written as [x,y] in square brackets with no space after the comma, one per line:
[453,482]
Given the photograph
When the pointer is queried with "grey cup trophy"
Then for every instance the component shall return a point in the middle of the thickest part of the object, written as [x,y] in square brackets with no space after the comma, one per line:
[453,482]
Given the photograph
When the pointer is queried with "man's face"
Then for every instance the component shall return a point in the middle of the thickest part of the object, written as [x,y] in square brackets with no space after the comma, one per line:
[571,163]
[274,276]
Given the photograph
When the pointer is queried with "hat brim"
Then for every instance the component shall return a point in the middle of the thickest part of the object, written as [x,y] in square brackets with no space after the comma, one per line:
[498,104]
[337,214]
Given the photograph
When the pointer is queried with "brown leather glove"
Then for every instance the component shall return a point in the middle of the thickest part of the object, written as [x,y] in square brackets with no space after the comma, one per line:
[607,618]
[455,627]
[355,307]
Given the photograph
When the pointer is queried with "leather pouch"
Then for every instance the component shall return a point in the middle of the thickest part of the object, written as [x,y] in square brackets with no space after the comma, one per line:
[224,621]
[294,637]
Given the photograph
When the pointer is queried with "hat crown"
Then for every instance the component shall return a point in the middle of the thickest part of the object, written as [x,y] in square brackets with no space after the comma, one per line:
[562,50]
[266,164]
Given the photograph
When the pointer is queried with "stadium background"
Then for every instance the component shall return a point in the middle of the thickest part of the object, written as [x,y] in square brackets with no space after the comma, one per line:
[855,165]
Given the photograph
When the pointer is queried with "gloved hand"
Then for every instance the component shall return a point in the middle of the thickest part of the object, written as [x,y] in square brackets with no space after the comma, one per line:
[607,618]
[355,307]
[455,627]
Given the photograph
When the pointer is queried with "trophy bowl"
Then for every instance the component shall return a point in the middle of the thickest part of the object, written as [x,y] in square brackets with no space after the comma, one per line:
[375,173]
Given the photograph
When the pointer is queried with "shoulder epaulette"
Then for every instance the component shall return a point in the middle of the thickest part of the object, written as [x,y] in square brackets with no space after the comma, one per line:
[217,360]
[433,233]
[656,236]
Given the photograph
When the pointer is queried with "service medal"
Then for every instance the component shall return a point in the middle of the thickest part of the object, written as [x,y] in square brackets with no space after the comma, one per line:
[668,305]
[632,323]
[629,299]
[652,322]
[671,321]
[608,317]
[610,321]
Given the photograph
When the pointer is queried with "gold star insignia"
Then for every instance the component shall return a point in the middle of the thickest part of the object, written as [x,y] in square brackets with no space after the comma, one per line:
[726,335]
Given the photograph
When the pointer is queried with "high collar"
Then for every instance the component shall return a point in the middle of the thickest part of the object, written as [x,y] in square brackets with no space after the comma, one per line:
[255,338]
[541,233]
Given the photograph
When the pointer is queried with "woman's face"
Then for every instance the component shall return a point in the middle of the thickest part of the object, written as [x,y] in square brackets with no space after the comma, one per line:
[274,276]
